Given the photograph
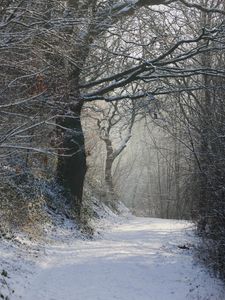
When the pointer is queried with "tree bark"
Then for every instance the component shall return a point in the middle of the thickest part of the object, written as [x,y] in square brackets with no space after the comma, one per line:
[108,165]
[71,165]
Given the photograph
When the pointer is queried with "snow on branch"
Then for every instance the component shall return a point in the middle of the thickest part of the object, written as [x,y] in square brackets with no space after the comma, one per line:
[202,8]
[164,66]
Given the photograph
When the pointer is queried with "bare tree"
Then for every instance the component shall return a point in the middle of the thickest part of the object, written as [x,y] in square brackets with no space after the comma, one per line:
[59,38]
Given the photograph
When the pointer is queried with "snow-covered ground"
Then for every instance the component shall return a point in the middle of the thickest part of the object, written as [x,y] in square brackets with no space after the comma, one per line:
[134,259]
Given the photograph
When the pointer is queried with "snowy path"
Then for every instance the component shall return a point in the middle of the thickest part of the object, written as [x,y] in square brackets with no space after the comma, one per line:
[137,260]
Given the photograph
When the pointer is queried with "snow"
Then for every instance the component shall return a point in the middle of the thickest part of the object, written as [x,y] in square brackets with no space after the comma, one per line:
[133,259]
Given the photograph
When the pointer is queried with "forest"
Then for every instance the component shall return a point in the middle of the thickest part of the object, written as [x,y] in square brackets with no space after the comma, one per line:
[115,100]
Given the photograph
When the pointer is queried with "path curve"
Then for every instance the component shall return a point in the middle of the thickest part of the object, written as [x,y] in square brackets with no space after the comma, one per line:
[140,259]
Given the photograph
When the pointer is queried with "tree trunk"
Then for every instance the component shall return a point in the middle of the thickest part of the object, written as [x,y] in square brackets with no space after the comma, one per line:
[71,166]
[108,165]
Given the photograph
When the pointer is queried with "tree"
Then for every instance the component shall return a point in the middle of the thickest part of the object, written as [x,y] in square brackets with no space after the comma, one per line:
[119,118]
[61,42]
